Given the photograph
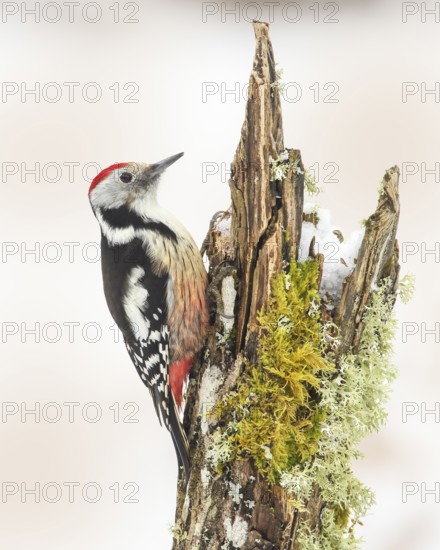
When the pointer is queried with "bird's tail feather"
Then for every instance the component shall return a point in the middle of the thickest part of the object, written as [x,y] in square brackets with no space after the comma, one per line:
[157,403]
[179,437]
[170,418]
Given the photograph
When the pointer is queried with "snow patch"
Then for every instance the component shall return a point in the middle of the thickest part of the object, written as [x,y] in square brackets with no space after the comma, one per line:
[224,226]
[339,258]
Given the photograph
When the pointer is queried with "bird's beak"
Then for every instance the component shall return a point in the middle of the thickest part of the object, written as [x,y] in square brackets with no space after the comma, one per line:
[159,167]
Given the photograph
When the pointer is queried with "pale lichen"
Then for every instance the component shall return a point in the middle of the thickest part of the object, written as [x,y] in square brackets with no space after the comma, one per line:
[333,536]
[281,165]
[354,403]
[220,450]
[177,532]
[236,532]
[277,84]
[234,492]
[310,184]
[407,287]
[381,188]
[205,477]
[211,381]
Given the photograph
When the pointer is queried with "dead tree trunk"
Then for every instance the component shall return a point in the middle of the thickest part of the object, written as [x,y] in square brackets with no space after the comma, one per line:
[246,247]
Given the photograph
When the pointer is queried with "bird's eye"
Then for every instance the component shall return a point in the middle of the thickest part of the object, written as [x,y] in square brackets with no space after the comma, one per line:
[126,177]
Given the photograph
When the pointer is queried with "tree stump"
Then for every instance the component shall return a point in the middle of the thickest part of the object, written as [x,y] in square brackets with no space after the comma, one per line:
[237,506]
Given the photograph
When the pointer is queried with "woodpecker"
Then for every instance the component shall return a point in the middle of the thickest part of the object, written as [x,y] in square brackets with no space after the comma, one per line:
[154,284]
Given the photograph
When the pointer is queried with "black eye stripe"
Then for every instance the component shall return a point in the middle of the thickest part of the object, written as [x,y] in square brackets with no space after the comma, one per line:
[126,177]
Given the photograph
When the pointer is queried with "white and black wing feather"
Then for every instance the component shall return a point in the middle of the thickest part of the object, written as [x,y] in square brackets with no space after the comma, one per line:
[150,356]
[136,297]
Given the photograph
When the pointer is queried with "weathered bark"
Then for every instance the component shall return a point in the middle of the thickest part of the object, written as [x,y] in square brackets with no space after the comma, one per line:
[378,258]
[265,229]
[263,213]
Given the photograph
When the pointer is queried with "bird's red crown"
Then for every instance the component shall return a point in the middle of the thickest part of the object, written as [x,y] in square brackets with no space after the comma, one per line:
[104,173]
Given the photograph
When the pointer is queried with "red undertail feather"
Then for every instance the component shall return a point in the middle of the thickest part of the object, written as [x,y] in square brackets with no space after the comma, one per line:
[178,374]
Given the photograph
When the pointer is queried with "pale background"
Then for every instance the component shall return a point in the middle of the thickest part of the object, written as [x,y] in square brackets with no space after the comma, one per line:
[169,54]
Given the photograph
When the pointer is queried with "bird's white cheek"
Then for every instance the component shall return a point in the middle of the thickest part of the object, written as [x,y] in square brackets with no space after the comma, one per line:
[109,194]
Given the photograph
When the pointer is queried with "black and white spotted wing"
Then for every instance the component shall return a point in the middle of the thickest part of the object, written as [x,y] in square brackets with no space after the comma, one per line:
[136,297]
[150,356]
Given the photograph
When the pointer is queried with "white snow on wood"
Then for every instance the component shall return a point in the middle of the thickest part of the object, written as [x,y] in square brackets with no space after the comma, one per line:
[224,226]
[327,243]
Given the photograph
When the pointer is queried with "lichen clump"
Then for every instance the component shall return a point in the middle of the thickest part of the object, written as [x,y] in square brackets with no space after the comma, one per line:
[280,166]
[354,403]
[178,533]
[310,183]
[274,416]
[407,287]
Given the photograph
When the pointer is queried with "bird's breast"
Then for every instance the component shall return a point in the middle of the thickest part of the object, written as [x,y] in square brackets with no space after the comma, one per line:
[185,294]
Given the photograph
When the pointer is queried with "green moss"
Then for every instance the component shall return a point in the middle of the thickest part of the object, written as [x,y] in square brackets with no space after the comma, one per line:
[274,415]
